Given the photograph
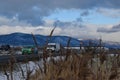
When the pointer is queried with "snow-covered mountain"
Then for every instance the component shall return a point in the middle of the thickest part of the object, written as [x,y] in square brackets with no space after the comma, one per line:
[17,39]
[26,39]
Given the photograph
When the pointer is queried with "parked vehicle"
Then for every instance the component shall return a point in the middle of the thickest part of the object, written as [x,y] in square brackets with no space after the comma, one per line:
[29,50]
[53,47]
[5,47]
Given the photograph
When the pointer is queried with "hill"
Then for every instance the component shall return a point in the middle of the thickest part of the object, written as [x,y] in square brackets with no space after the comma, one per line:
[21,39]
[26,39]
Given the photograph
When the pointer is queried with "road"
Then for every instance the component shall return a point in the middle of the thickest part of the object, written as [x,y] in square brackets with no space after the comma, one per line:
[21,58]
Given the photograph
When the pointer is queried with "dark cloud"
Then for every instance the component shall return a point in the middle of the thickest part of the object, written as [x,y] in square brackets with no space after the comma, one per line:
[61,24]
[116,27]
[32,11]
[111,30]
[85,13]
[79,19]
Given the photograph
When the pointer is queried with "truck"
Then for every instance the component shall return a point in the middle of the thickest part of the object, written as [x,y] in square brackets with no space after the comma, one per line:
[53,47]
[29,50]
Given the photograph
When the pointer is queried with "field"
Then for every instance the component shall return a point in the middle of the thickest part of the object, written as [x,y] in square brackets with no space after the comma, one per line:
[72,66]
[84,66]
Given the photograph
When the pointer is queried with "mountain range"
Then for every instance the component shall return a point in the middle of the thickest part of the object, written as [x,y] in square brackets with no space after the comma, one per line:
[22,39]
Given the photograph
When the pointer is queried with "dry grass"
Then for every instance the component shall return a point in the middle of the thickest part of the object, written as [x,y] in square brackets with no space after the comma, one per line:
[80,67]
[74,66]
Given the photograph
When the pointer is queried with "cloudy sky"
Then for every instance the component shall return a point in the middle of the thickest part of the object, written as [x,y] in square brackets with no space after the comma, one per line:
[86,19]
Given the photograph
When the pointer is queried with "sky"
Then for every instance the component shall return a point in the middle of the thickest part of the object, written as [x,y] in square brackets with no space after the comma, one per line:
[81,19]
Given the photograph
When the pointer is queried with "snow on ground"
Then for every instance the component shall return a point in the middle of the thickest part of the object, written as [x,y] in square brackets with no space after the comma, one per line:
[31,65]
